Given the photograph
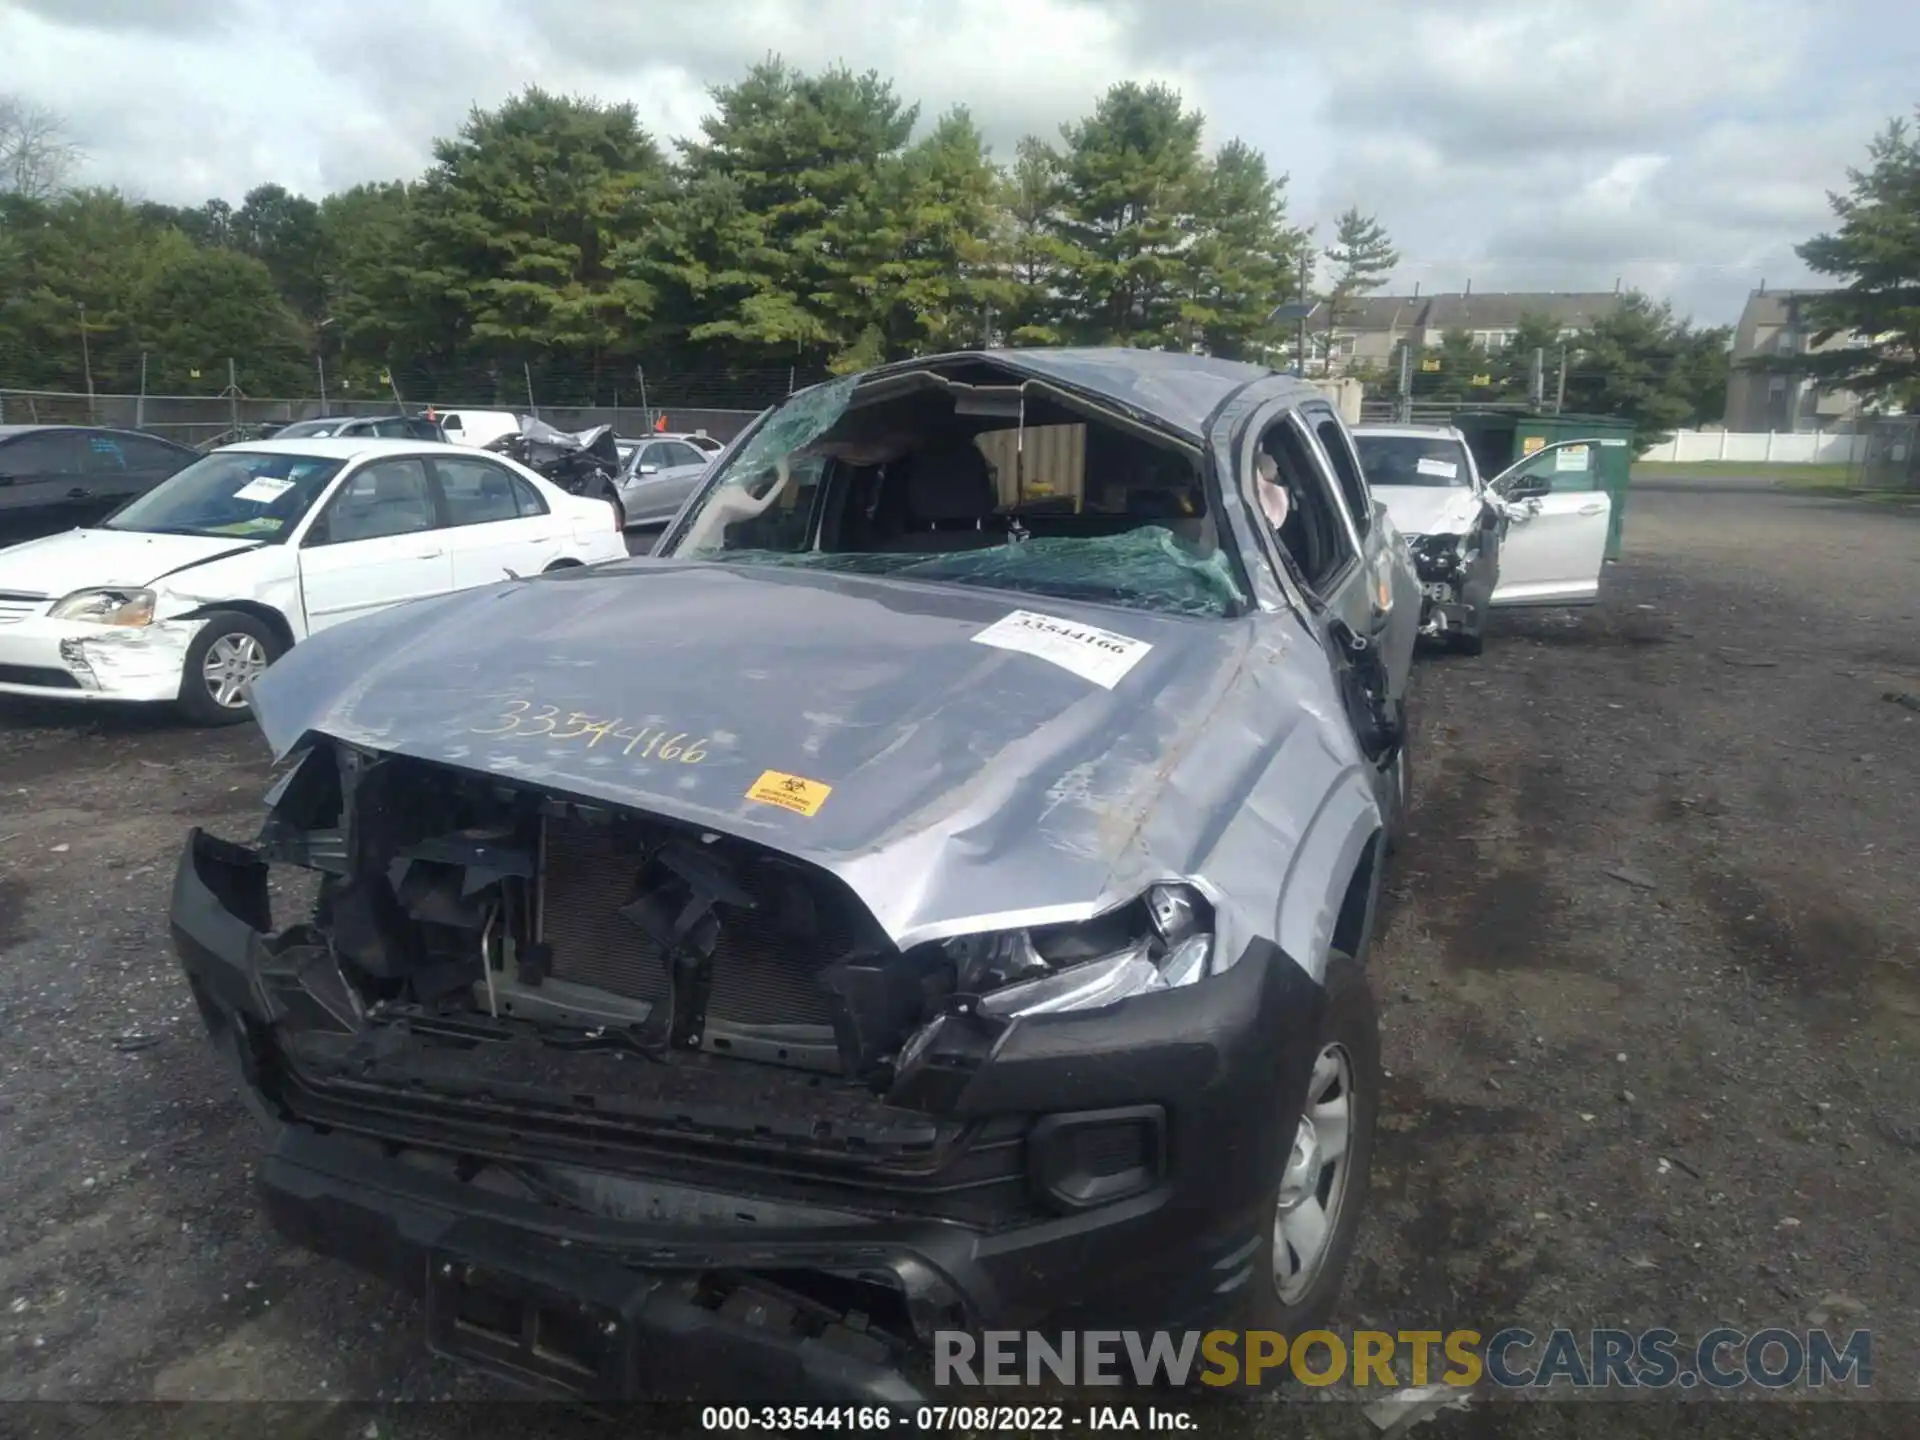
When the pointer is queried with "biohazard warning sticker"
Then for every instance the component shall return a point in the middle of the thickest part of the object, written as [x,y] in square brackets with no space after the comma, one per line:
[1093,654]
[789,792]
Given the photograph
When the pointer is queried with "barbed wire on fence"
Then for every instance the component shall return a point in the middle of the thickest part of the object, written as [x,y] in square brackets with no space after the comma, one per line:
[200,420]
[531,382]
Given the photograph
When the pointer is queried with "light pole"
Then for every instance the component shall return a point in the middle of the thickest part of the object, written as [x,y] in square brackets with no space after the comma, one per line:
[86,361]
[1296,311]
[320,361]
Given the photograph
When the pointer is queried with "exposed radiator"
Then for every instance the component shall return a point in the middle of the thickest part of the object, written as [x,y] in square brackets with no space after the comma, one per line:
[763,965]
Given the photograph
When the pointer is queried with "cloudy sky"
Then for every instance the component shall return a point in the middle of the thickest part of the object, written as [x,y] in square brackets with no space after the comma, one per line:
[1683,146]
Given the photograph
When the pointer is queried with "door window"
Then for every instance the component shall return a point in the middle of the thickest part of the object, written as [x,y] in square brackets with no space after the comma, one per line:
[151,455]
[1567,466]
[44,452]
[1332,436]
[479,492]
[387,497]
[530,500]
[1313,536]
[104,456]
[679,453]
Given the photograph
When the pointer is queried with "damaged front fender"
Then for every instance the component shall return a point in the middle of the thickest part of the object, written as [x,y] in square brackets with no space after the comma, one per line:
[133,662]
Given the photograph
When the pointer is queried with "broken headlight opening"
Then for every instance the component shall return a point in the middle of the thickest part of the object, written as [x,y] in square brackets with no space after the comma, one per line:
[1114,957]
[457,910]
[1440,559]
[1162,941]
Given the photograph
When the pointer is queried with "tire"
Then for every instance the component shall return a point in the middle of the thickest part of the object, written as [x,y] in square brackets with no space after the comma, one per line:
[241,646]
[1400,777]
[611,494]
[1467,642]
[1350,1031]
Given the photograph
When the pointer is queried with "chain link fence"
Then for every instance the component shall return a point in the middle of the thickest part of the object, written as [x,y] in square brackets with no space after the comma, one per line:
[204,421]
[1892,459]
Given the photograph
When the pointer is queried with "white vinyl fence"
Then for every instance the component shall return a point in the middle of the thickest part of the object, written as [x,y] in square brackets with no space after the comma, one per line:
[1769,448]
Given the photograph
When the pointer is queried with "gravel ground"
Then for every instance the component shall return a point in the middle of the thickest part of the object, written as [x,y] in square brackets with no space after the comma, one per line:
[1649,978]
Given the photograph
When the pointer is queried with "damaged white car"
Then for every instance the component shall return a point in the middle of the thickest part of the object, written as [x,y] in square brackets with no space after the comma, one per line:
[1535,534]
[930,893]
[188,593]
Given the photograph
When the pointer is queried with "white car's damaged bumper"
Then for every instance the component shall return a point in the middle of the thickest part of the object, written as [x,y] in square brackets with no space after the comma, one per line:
[81,660]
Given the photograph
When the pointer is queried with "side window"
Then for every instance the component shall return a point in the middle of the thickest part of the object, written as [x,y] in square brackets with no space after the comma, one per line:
[44,452]
[680,453]
[152,455]
[478,492]
[1311,534]
[451,424]
[1571,467]
[387,497]
[530,500]
[648,454]
[105,455]
[393,429]
[1332,436]
[422,430]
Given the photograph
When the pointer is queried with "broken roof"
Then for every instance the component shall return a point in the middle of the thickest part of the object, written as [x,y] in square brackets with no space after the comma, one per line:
[1181,391]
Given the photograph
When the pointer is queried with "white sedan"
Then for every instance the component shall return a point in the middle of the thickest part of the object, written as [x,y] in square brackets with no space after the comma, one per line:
[189,592]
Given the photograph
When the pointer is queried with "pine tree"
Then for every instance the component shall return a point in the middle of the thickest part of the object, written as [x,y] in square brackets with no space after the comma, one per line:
[1362,257]
[1875,251]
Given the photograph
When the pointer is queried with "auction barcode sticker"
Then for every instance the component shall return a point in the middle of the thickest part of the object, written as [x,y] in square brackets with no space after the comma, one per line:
[1091,653]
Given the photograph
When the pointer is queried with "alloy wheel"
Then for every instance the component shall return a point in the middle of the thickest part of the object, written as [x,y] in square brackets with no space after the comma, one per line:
[1314,1185]
[233,662]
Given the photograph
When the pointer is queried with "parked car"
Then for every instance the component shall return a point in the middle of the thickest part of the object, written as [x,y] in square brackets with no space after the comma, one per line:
[53,477]
[660,474]
[929,893]
[1535,534]
[347,427]
[478,428]
[188,593]
[585,463]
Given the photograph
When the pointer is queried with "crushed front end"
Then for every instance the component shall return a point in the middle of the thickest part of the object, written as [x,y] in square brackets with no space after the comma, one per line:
[1445,565]
[639,1108]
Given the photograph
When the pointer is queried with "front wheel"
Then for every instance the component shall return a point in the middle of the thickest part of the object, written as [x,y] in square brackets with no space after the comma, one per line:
[231,651]
[1317,1205]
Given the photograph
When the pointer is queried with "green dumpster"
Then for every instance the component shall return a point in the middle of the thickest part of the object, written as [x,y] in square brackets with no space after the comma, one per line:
[1500,438]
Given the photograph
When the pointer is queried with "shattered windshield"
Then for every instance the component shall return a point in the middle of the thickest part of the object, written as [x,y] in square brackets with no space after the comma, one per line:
[1143,569]
[911,488]
[1438,461]
[246,494]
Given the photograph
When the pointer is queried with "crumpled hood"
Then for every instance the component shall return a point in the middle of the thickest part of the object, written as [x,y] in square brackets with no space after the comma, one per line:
[82,559]
[952,778]
[1429,510]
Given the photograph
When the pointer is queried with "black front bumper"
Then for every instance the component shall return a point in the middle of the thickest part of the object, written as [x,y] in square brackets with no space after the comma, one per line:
[606,1308]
